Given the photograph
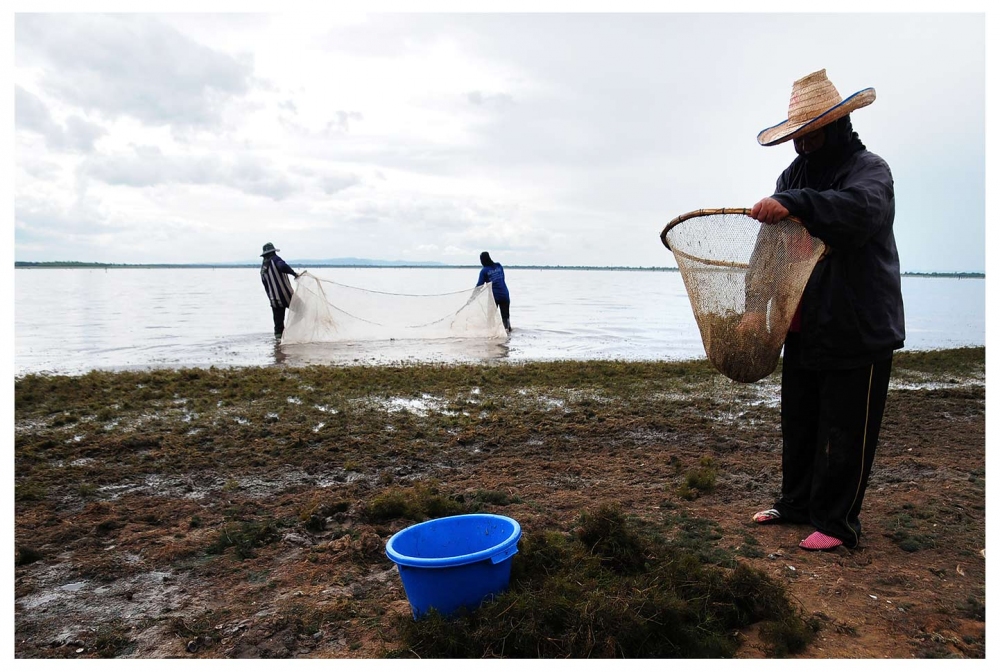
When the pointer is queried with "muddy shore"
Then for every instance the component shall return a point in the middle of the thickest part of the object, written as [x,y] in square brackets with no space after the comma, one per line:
[230,513]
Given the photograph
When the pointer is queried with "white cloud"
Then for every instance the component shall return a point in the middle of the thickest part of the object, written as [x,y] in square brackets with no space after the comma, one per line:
[130,64]
[343,120]
[150,167]
[550,138]
[331,184]
[31,114]
[39,169]
[498,101]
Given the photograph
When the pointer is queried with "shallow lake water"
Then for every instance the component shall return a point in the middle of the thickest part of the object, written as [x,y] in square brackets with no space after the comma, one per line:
[69,321]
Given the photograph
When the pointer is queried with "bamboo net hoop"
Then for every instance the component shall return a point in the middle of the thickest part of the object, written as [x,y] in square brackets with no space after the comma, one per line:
[744,280]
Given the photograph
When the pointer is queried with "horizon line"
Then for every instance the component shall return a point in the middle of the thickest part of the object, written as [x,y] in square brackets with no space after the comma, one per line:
[247,264]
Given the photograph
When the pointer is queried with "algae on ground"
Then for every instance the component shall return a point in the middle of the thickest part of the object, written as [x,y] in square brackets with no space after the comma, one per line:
[270,492]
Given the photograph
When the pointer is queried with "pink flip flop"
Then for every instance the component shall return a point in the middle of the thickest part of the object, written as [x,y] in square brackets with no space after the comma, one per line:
[817,541]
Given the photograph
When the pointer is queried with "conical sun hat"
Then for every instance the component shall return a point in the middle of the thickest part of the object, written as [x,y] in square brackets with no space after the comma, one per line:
[814,103]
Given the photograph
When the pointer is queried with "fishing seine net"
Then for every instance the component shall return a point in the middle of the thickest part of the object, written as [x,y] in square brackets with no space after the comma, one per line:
[745,280]
[324,311]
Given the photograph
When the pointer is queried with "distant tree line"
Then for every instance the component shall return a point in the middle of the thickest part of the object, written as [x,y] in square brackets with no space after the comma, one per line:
[98,264]
[95,264]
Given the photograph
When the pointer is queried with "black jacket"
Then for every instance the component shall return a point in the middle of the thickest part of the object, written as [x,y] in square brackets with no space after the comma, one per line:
[852,306]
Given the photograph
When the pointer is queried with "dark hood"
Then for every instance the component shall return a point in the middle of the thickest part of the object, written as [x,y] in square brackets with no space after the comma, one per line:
[841,141]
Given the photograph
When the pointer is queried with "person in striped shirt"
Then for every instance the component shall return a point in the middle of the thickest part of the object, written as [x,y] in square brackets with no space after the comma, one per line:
[274,274]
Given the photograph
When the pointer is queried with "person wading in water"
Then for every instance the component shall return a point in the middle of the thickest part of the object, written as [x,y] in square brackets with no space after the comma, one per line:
[492,272]
[274,274]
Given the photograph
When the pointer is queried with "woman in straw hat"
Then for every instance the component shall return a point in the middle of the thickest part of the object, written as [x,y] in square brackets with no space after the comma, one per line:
[838,351]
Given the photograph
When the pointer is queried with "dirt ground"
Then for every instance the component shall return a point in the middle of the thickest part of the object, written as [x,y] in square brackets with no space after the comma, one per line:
[120,511]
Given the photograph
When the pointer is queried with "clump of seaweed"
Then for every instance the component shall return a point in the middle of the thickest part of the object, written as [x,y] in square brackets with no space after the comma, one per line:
[25,555]
[417,503]
[245,537]
[615,543]
[700,480]
[611,590]
[314,517]
[113,640]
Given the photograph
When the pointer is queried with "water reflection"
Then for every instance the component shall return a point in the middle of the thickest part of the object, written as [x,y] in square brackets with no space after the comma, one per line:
[279,354]
[410,351]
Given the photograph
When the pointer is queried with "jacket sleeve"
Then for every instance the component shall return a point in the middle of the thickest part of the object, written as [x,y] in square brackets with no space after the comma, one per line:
[283,267]
[482,277]
[850,215]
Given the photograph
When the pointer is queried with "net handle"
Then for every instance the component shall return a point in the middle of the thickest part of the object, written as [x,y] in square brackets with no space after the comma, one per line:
[710,211]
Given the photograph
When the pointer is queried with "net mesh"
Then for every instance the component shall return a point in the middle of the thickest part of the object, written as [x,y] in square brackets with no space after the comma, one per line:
[745,280]
[324,311]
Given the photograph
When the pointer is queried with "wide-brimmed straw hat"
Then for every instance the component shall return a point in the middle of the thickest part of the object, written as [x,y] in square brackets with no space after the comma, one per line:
[269,249]
[814,103]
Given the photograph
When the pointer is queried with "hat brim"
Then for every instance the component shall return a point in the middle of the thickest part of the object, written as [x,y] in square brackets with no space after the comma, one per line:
[786,130]
[270,252]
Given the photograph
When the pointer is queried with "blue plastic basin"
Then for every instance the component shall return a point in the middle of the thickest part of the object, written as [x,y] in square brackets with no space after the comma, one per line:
[454,562]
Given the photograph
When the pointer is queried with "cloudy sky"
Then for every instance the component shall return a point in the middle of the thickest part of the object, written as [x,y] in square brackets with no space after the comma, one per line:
[545,138]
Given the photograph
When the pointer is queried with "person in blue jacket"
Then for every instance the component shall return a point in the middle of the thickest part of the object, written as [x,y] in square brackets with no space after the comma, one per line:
[492,272]
[274,274]
[839,348]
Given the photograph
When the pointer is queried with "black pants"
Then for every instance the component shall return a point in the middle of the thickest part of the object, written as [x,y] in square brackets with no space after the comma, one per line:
[504,307]
[830,421]
[279,319]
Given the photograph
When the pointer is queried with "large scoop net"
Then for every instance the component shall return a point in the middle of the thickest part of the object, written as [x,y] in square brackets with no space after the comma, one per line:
[745,280]
[324,311]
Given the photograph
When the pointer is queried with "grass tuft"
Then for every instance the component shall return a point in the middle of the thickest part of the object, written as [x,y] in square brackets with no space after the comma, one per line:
[245,537]
[608,536]
[26,555]
[417,503]
[699,481]
[112,639]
